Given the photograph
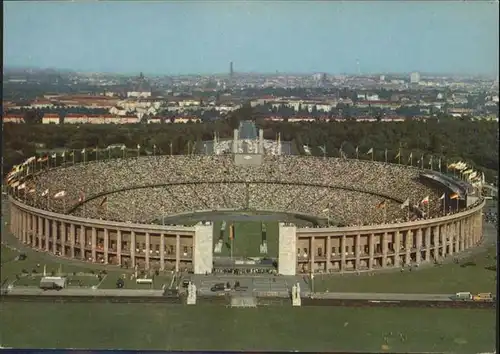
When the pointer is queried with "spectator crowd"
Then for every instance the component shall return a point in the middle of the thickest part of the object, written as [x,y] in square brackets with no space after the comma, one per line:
[352,192]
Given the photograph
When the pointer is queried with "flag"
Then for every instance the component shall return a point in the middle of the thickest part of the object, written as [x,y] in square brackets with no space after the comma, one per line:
[81,198]
[138,146]
[398,155]
[381,204]
[425,200]
[83,151]
[483,180]
[307,150]
[370,151]
[231,232]
[430,161]
[123,147]
[323,149]
[439,164]
[357,149]
[60,194]
[63,154]
[54,155]
[454,196]
[406,203]
[442,197]
[103,202]
[45,193]
[410,157]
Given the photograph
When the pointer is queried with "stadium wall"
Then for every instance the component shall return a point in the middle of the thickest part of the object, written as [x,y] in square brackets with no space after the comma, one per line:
[318,250]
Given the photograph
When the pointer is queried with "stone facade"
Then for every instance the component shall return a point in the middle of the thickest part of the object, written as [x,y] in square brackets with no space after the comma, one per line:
[177,248]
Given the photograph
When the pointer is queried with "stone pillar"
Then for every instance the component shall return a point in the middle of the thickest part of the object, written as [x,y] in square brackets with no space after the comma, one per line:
[428,244]
[162,251]
[202,256]
[132,248]
[148,249]
[83,242]
[357,251]
[177,252]
[261,141]
[47,234]
[119,246]
[235,141]
[287,253]
[63,239]
[371,250]
[462,234]
[451,239]
[436,241]
[328,254]
[385,250]
[12,219]
[34,230]
[311,254]
[54,236]
[397,248]
[106,246]
[40,228]
[408,246]
[442,233]
[467,233]
[72,236]
[94,244]
[456,232]
[24,229]
[343,244]
[419,246]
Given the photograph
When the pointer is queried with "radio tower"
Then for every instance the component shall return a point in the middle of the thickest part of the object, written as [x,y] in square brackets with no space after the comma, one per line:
[231,71]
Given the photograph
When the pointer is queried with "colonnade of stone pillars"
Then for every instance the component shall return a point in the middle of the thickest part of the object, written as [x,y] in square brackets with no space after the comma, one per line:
[37,231]
[424,243]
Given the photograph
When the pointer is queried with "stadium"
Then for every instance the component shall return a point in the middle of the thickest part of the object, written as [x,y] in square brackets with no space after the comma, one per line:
[243,204]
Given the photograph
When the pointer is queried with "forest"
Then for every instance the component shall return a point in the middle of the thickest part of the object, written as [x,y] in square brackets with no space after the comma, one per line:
[474,142]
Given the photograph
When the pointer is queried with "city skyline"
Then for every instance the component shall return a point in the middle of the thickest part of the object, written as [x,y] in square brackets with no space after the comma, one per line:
[203,38]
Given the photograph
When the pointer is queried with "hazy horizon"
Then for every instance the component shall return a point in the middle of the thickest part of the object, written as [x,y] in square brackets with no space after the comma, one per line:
[201,38]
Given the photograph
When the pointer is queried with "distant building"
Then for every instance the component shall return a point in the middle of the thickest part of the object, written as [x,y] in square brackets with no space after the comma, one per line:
[414,78]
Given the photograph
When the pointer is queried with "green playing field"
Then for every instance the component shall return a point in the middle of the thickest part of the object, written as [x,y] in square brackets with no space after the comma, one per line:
[248,236]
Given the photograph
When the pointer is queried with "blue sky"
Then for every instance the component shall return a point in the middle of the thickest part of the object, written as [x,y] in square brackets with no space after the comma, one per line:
[203,37]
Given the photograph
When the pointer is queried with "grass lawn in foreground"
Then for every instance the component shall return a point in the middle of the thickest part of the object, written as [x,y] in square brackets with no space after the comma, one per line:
[447,278]
[205,327]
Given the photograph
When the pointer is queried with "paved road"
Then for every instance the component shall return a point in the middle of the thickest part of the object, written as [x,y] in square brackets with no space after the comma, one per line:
[85,292]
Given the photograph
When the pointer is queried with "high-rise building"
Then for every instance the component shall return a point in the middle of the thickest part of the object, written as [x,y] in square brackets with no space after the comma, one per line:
[231,71]
[414,78]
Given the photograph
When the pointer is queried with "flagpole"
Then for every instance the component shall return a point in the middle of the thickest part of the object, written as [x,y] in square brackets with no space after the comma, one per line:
[444,205]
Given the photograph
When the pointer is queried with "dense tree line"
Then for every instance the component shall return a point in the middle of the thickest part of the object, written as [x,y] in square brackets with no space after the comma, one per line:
[475,142]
